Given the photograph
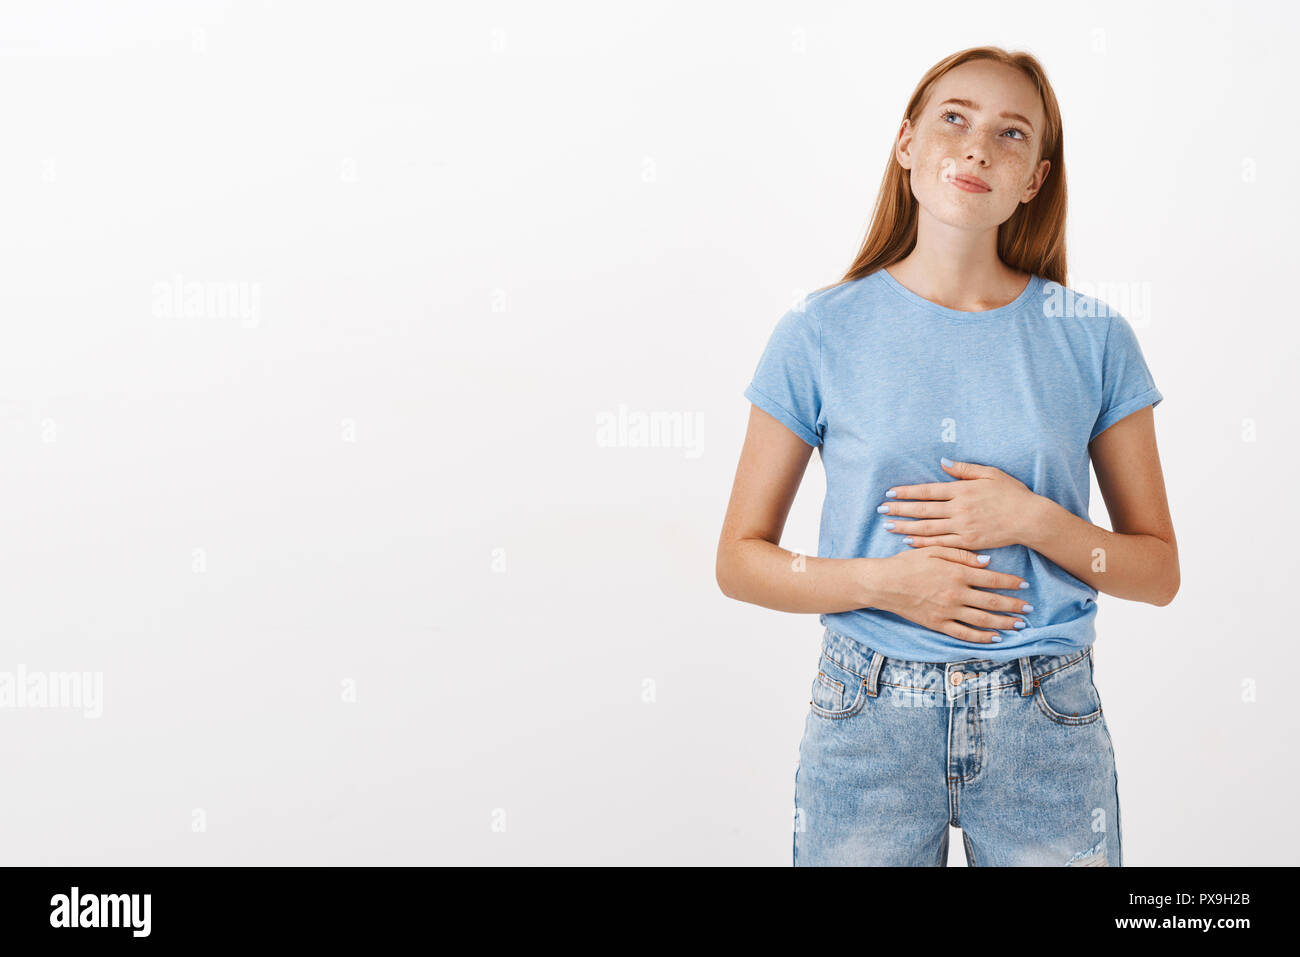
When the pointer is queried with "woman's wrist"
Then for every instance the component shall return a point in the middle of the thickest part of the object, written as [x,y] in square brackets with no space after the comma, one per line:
[869,574]
[1036,521]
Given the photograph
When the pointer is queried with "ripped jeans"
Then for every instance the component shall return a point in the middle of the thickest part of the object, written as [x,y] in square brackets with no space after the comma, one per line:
[1016,754]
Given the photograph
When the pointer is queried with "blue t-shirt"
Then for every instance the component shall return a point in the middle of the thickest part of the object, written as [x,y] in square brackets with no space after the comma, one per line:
[885,382]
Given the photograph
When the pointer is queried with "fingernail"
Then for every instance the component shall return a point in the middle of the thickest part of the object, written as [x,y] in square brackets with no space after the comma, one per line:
[908,540]
[889,525]
[1020,624]
[891,494]
[981,558]
[1028,608]
[882,508]
[946,461]
[997,637]
[1023,585]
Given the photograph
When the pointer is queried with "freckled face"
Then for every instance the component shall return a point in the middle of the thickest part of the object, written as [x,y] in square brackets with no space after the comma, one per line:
[949,142]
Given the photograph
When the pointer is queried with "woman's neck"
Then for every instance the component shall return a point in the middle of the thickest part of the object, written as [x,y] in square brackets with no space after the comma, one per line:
[969,289]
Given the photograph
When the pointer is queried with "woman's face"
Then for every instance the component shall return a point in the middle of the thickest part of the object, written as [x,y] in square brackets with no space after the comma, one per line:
[983,121]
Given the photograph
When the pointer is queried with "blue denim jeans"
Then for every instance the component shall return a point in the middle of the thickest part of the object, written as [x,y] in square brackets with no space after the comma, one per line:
[1016,754]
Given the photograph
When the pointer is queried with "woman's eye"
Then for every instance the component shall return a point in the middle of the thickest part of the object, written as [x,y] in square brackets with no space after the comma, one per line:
[946,115]
[1020,133]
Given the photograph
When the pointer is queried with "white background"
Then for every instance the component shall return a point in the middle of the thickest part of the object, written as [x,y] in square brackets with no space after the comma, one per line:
[362,584]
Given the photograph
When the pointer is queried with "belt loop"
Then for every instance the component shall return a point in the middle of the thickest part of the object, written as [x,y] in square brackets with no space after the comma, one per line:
[873,673]
[1026,678]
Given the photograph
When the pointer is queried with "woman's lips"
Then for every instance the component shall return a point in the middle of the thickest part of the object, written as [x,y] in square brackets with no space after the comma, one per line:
[970,184]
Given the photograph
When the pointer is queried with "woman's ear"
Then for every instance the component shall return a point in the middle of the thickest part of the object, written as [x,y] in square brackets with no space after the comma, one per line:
[1036,183]
[903,148]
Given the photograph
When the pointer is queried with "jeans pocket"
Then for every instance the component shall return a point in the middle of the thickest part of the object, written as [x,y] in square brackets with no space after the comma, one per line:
[837,692]
[1068,696]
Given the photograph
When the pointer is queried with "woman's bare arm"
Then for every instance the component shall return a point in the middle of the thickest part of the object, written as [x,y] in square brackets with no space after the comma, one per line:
[1139,559]
[750,566]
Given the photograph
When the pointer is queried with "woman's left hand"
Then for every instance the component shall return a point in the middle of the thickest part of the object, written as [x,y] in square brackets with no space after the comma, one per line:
[986,508]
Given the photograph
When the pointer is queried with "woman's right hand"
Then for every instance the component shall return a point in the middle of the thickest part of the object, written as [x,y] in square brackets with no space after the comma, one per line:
[939,586]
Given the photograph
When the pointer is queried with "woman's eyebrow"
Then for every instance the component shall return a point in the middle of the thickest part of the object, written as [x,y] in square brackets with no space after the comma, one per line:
[972,105]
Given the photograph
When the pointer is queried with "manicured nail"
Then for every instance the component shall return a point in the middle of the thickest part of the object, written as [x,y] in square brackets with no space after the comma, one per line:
[891,494]
[1020,624]
[946,461]
[882,508]
[1028,608]
[908,540]
[1023,585]
[997,637]
[981,558]
[889,525]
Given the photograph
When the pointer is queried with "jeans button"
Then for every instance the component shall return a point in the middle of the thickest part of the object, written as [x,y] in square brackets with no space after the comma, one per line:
[957,677]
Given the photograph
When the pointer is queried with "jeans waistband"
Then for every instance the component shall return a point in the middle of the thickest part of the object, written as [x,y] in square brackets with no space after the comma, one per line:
[950,677]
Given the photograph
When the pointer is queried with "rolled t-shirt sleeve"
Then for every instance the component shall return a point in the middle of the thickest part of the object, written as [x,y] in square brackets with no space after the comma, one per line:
[1126,382]
[787,383]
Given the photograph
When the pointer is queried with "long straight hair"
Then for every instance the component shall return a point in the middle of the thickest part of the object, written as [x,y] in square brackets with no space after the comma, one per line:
[1032,240]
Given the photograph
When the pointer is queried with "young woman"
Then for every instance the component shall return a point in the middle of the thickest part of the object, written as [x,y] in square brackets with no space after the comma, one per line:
[956,390]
